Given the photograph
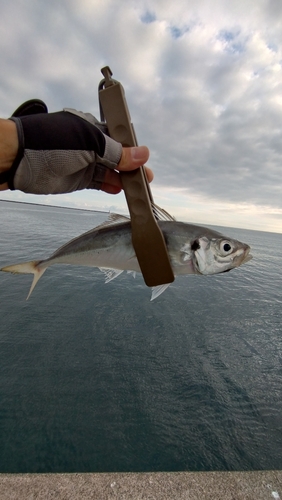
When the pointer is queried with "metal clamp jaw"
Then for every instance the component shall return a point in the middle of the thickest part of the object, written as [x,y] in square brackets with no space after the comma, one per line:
[147,238]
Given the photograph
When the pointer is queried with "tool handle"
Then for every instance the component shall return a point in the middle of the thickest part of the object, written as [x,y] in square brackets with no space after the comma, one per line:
[147,238]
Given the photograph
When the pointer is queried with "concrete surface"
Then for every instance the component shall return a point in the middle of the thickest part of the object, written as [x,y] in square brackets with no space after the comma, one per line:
[266,485]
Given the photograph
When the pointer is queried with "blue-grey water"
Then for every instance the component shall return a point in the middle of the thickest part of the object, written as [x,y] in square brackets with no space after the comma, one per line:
[95,377]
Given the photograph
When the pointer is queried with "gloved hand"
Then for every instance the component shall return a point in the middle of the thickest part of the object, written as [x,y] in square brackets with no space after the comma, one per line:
[61,152]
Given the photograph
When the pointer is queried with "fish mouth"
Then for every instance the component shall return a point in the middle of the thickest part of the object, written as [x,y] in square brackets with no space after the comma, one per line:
[246,256]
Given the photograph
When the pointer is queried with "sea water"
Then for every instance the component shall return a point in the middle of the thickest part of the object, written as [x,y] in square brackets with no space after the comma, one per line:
[95,377]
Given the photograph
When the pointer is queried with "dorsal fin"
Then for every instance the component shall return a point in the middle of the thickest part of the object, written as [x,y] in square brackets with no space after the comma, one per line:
[113,220]
[161,214]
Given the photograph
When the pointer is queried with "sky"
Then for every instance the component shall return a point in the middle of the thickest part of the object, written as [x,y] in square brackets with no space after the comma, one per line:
[203,82]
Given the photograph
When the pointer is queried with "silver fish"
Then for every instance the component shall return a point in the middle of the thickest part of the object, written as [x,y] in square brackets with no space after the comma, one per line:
[192,250]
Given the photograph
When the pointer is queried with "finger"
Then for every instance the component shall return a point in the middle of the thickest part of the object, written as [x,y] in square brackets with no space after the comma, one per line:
[110,189]
[112,182]
[132,158]
[149,174]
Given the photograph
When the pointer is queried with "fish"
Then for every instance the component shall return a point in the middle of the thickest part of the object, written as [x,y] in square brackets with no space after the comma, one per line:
[192,249]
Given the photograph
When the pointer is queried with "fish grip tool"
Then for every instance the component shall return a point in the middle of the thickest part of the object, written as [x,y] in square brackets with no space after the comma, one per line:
[147,238]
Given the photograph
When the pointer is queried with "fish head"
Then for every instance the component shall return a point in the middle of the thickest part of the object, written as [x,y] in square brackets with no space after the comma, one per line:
[218,255]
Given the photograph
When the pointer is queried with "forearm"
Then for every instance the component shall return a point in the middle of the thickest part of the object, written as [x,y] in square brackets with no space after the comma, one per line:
[8,147]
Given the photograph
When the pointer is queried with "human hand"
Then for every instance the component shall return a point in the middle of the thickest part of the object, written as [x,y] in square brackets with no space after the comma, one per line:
[131,159]
[66,151]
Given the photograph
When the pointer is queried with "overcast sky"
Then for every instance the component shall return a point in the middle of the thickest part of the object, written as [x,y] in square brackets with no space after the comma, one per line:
[203,81]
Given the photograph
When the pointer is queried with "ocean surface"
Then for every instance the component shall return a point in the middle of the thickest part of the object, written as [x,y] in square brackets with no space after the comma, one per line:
[95,377]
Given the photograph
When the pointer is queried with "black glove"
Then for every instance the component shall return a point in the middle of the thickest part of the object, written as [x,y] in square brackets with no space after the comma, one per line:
[61,152]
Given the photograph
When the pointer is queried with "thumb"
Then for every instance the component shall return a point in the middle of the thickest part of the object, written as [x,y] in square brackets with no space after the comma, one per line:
[133,158]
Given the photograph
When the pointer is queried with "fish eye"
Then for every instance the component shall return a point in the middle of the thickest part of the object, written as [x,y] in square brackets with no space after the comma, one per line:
[225,247]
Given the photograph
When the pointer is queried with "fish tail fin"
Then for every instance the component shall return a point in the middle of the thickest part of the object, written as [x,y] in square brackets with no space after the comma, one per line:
[27,268]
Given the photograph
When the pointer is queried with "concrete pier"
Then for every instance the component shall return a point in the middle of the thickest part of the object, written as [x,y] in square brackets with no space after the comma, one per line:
[264,485]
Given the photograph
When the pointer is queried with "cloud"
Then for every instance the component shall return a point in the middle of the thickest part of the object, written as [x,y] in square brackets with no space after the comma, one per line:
[202,80]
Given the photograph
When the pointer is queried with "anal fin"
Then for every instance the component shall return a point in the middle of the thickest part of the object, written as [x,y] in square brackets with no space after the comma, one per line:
[110,274]
[158,290]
